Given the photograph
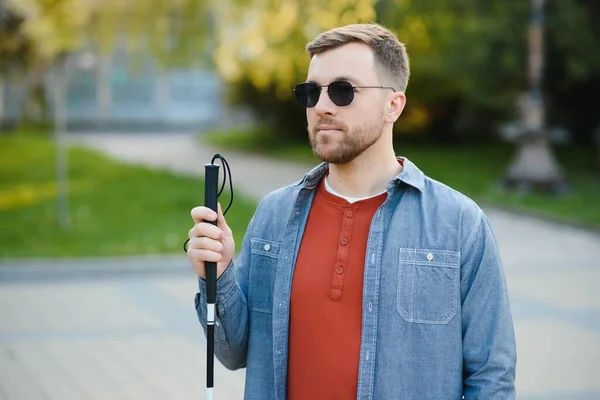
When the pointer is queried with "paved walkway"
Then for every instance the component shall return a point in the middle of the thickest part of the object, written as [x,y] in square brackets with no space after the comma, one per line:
[132,333]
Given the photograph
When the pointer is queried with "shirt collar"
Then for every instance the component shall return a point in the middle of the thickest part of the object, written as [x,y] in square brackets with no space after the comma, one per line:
[410,175]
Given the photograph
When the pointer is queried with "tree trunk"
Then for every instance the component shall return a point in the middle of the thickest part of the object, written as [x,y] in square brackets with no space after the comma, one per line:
[2,122]
[36,102]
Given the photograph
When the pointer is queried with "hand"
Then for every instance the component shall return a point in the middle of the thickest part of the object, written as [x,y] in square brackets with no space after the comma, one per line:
[209,242]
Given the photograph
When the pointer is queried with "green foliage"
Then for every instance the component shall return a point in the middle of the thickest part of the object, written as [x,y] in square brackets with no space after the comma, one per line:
[574,33]
[13,46]
[467,61]
[282,120]
[469,65]
[572,77]
[469,57]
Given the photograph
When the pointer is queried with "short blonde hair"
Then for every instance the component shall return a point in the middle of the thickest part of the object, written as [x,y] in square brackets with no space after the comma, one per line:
[391,57]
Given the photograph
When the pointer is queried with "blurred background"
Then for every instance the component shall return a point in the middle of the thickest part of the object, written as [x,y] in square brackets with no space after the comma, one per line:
[110,109]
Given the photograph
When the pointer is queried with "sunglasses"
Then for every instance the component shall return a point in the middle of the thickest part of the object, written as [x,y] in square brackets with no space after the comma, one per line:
[341,93]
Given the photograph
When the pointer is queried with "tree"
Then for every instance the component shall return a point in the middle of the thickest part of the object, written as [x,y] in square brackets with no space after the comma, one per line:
[44,32]
[50,29]
[260,52]
[13,46]
[573,71]
[468,57]
[450,44]
[467,61]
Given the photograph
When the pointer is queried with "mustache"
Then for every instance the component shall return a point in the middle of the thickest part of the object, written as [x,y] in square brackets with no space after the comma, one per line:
[327,121]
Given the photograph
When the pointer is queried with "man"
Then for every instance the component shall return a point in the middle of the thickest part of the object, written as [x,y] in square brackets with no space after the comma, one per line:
[366,279]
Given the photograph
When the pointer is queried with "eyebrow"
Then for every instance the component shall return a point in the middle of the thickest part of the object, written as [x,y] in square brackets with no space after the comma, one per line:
[338,79]
[346,78]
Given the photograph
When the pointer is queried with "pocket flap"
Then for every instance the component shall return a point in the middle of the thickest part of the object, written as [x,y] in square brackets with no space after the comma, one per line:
[439,258]
[264,247]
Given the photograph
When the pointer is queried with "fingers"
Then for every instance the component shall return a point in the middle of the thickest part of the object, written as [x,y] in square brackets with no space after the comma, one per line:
[202,213]
[204,243]
[204,229]
[207,241]
[201,255]
[202,249]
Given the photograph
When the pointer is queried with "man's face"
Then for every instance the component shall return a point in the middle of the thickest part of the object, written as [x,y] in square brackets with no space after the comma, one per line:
[339,134]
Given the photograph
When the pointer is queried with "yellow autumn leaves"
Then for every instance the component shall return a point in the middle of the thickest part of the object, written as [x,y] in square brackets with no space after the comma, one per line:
[257,41]
[53,27]
[264,41]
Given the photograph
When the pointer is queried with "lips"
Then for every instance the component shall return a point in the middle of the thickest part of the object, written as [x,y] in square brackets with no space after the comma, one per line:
[328,128]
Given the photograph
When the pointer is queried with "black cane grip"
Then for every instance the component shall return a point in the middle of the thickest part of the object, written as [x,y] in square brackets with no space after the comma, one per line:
[211,177]
[211,183]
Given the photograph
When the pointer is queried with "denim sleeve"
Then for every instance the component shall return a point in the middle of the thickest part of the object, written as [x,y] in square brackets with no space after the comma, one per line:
[489,349]
[231,321]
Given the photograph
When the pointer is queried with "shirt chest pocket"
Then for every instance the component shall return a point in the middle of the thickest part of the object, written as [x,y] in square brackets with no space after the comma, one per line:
[264,258]
[428,285]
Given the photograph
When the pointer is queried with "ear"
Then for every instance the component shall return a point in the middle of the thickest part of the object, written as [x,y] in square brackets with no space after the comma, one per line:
[394,107]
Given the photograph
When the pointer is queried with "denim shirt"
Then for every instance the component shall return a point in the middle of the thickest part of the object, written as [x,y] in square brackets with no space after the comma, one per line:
[436,319]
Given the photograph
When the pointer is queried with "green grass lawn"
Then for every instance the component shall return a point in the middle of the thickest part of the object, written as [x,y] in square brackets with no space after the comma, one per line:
[115,209]
[474,170]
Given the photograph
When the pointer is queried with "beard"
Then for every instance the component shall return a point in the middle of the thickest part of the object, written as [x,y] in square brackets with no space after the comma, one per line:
[351,144]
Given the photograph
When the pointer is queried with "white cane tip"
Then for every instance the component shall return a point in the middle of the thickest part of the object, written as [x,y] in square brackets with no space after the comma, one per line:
[209,393]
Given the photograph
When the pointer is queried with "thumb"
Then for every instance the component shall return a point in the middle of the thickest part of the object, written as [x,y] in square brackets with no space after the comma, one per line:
[221,221]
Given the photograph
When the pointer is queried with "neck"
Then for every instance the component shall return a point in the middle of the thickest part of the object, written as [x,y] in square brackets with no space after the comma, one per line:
[367,175]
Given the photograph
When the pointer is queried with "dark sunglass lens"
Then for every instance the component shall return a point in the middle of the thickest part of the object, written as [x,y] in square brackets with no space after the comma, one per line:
[307,94]
[341,93]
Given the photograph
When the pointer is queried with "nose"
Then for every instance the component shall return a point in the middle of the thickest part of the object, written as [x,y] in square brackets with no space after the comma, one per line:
[325,106]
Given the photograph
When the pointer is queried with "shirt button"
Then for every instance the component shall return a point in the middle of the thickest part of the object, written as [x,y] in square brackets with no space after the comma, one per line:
[370,306]
[349,213]
[339,270]
[429,256]
[267,247]
[344,241]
